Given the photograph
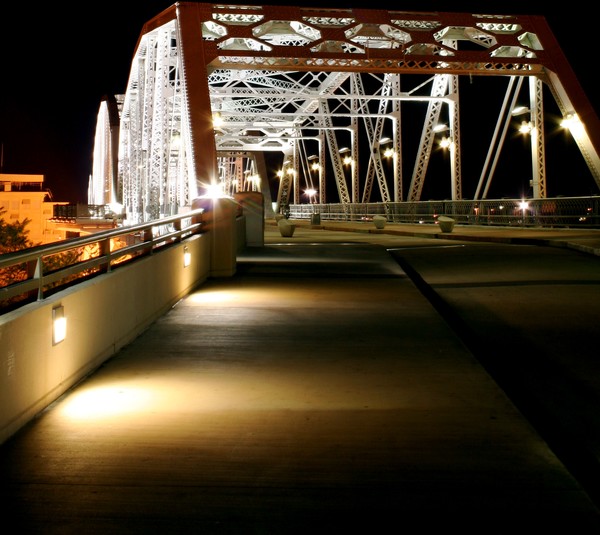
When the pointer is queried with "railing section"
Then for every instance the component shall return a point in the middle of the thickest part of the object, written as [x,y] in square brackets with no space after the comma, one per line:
[35,273]
[580,212]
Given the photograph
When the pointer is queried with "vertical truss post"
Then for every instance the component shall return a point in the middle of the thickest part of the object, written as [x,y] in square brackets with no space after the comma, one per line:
[538,154]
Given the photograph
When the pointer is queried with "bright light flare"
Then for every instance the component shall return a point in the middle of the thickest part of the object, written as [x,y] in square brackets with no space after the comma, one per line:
[214,191]
[445,143]
[525,127]
[572,123]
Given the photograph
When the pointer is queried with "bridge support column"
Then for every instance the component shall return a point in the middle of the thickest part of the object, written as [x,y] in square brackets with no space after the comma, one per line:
[253,208]
[219,220]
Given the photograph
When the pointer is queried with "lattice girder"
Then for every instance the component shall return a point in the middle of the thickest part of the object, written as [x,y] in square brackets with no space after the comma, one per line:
[273,71]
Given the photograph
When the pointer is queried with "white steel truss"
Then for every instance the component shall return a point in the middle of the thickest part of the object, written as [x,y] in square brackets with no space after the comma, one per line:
[213,89]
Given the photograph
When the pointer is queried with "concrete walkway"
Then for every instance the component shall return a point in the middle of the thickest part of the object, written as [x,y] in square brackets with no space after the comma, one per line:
[317,391]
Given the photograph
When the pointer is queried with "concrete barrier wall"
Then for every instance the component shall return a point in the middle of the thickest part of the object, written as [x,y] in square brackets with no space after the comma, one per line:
[103,315]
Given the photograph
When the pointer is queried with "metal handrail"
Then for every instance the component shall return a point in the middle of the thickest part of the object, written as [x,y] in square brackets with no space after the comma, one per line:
[111,247]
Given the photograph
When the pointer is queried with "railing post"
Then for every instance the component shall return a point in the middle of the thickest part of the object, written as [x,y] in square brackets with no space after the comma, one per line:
[104,246]
[147,237]
[177,228]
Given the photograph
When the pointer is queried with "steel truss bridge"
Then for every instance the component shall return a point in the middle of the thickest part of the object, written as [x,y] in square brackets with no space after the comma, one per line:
[351,104]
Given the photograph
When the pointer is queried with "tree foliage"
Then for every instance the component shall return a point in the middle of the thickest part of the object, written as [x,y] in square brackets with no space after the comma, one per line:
[13,236]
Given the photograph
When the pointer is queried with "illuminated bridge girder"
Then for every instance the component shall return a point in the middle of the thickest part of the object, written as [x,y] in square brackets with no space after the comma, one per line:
[280,76]
[439,87]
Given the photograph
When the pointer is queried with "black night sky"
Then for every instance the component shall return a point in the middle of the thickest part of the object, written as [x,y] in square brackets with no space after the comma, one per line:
[59,61]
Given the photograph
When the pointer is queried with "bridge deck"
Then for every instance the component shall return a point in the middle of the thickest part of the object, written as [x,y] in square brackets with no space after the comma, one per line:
[314,391]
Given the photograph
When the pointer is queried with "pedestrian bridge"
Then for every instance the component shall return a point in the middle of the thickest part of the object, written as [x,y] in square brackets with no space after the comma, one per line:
[315,386]
[108,287]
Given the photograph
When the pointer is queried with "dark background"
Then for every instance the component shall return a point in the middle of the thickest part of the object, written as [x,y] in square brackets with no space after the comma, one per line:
[58,61]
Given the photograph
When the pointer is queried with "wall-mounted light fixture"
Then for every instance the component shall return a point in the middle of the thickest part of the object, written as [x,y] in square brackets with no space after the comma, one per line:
[59,325]
[187,256]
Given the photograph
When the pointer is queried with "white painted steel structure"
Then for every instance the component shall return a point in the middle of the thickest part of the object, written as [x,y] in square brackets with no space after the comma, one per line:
[307,83]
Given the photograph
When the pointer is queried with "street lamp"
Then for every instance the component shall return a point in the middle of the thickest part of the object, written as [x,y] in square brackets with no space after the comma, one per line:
[346,158]
[388,152]
[315,165]
[217,120]
[572,122]
[315,217]
[310,193]
[523,205]
[526,127]
[446,142]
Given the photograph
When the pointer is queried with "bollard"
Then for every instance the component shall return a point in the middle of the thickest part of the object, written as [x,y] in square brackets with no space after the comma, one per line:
[286,228]
[379,221]
[446,223]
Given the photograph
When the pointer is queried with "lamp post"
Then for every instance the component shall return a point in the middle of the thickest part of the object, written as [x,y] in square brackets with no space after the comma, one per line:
[311,193]
[346,156]
[531,125]
[523,205]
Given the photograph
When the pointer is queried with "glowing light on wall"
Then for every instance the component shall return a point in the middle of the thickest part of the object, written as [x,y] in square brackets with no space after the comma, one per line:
[187,257]
[59,325]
